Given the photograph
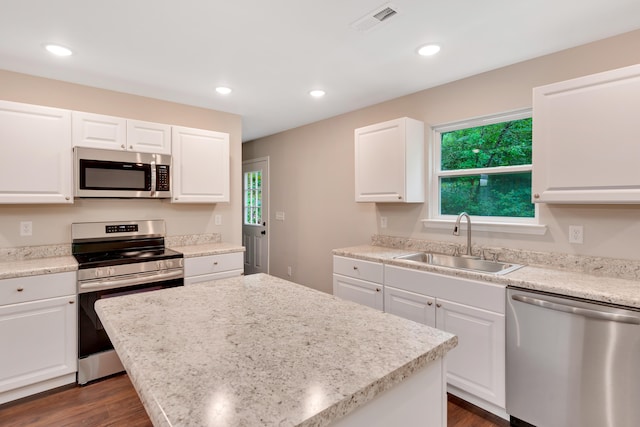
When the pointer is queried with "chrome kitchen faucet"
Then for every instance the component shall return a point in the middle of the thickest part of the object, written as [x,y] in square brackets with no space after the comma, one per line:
[456,230]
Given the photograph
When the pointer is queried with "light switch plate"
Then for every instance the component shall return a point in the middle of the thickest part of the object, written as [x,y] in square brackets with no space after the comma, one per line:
[576,234]
[26,228]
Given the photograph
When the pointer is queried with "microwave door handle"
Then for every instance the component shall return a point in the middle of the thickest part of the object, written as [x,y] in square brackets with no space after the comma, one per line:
[153,177]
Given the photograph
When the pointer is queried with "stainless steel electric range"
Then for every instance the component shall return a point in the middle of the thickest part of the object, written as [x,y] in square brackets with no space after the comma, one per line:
[116,258]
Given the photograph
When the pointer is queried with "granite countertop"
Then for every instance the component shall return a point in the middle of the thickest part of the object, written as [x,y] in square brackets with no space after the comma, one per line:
[258,350]
[611,290]
[36,260]
[36,266]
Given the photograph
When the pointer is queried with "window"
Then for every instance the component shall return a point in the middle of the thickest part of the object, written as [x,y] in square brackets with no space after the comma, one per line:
[253,198]
[483,167]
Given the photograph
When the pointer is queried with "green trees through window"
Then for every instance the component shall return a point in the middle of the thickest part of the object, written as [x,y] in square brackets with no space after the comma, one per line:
[486,170]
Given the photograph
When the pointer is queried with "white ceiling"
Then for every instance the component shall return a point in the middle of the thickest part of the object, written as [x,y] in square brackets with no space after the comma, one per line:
[272,53]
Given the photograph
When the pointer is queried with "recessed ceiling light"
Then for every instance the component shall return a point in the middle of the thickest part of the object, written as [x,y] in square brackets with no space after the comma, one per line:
[223,90]
[428,49]
[317,93]
[58,50]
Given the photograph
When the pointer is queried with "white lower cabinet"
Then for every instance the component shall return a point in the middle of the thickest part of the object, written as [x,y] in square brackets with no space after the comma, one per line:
[213,267]
[477,364]
[358,281]
[472,310]
[410,305]
[38,334]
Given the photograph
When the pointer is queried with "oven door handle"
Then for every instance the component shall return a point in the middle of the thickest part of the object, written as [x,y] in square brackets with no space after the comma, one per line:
[100,285]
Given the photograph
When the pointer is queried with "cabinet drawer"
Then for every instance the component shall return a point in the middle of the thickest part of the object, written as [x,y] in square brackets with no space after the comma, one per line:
[213,264]
[358,269]
[32,288]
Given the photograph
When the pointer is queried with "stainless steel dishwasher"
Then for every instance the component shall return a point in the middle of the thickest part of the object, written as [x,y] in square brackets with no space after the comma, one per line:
[571,362]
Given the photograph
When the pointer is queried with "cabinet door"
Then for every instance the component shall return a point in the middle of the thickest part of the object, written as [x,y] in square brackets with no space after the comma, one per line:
[585,146]
[35,154]
[200,166]
[38,341]
[477,364]
[409,305]
[360,291]
[99,131]
[148,137]
[389,162]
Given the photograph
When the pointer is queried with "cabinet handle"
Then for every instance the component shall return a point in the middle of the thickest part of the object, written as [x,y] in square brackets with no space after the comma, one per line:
[438,305]
[215,262]
[131,147]
[72,302]
[536,196]
[20,289]
[67,198]
[122,146]
[377,289]
[429,303]
[355,267]
[399,197]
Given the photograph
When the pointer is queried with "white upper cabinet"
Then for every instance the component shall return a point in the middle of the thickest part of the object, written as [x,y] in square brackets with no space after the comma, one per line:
[200,166]
[148,137]
[35,154]
[116,133]
[389,162]
[99,131]
[586,140]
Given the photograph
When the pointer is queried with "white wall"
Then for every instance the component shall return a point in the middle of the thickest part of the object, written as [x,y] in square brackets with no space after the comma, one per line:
[52,223]
[312,171]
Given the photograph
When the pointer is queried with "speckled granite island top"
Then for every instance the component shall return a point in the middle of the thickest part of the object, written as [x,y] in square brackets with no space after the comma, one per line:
[260,351]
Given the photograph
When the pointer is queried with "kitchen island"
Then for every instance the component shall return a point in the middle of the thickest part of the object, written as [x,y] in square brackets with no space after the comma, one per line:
[260,351]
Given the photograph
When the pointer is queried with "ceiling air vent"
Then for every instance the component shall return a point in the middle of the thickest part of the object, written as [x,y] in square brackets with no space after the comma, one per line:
[375,18]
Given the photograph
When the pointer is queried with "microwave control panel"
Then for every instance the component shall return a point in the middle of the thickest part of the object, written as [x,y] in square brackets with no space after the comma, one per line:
[162,178]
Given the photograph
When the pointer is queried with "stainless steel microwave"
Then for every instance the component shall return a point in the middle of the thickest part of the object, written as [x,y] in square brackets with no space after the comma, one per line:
[121,174]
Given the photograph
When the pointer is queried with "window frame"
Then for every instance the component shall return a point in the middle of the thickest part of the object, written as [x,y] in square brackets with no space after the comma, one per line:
[508,224]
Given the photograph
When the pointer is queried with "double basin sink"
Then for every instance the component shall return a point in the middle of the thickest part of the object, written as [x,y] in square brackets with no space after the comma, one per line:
[461,262]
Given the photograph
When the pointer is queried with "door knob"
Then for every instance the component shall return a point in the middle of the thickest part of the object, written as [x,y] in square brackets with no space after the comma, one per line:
[263,232]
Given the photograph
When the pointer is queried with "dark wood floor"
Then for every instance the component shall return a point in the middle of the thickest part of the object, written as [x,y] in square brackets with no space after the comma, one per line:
[113,402]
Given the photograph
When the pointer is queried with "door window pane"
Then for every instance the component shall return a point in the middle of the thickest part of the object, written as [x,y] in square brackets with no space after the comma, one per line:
[253,198]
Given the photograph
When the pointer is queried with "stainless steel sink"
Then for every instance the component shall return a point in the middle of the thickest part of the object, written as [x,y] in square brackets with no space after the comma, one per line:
[461,262]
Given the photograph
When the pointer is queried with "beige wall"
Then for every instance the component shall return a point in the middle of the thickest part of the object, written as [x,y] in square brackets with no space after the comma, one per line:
[312,171]
[51,223]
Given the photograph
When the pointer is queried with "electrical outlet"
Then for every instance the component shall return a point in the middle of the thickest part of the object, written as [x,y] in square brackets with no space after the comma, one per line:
[383,222]
[576,234]
[26,228]
[279,216]
[218,219]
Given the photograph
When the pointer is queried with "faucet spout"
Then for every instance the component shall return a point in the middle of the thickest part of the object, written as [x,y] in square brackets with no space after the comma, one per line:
[456,230]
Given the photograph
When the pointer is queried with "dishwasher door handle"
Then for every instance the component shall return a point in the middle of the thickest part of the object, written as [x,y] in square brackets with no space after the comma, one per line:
[585,312]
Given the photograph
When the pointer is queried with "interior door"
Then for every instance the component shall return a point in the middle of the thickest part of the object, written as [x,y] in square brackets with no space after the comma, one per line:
[255,214]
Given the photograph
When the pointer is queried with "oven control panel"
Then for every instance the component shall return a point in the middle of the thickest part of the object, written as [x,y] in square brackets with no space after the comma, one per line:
[122,228]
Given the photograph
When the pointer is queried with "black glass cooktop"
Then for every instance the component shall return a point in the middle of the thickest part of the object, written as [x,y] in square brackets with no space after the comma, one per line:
[107,253]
